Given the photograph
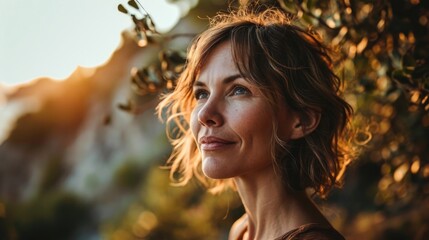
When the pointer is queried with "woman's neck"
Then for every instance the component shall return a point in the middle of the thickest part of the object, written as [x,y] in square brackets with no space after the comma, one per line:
[273,210]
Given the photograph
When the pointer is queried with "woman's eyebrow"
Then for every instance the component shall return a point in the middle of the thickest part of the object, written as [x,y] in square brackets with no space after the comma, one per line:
[226,80]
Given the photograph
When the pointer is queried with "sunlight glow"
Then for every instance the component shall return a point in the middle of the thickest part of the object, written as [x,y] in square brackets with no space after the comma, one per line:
[52,38]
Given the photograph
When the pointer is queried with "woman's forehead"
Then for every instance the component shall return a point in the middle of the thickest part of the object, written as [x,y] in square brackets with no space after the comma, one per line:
[217,59]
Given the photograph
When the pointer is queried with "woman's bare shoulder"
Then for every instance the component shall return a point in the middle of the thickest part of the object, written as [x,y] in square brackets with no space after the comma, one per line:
[238,228]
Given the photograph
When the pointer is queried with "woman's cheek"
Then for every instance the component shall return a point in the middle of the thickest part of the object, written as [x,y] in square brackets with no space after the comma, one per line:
[194,124]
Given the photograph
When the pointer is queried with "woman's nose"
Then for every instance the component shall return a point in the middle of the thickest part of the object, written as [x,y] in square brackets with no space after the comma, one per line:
[210,115]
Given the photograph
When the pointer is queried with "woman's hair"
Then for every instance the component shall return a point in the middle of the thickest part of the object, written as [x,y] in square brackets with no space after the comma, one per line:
[288,64]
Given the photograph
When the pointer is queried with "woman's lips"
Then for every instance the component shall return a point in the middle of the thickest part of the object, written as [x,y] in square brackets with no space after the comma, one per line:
[211,143]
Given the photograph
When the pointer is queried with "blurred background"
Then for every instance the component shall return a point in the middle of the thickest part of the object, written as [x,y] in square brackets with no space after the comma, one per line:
[81,157]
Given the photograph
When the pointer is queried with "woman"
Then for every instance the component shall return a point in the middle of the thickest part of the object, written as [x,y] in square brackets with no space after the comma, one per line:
[257,108]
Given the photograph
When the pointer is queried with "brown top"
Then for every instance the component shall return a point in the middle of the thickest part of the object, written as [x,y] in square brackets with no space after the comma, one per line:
[311,231]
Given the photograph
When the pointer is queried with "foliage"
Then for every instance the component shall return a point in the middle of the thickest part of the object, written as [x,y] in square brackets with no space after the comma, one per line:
[384,47]
[48,216]
[162,74]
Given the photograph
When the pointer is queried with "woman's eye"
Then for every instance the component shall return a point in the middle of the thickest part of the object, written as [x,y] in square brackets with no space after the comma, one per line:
[240,90]
[201,94]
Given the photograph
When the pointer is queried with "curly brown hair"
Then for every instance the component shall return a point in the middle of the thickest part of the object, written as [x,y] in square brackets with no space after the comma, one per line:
[289,64]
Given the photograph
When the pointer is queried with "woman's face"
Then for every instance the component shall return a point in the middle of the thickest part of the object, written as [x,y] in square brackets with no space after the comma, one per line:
[232,122]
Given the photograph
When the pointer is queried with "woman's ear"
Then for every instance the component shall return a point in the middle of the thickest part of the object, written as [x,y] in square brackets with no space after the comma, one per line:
[305,123]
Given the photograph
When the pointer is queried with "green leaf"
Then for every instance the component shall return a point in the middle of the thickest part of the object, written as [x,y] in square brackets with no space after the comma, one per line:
[307,19]
[288,6]
[174,57]
[122,9]
[310,5]
[401,77]
[133,4]
[408,61]
[135,19]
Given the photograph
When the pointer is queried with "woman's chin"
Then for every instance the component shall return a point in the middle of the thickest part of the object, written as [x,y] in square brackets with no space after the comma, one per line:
[215,175]
[216,172]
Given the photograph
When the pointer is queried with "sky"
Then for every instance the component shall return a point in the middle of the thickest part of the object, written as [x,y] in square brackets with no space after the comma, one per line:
[50,38]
